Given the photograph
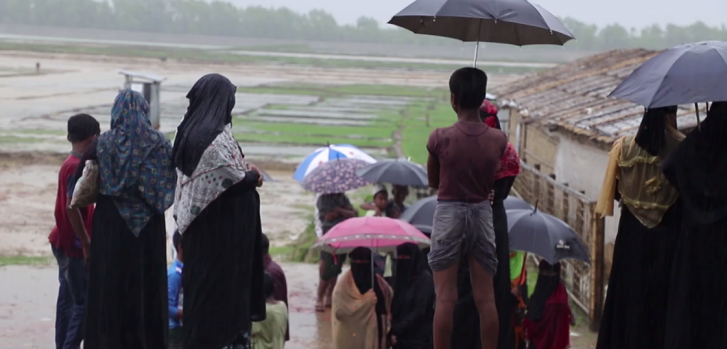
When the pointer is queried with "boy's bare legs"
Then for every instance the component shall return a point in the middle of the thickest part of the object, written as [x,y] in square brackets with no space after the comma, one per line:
[484,294]
[445,286]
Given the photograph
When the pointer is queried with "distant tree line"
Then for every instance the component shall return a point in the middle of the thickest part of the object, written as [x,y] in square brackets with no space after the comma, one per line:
[221,18]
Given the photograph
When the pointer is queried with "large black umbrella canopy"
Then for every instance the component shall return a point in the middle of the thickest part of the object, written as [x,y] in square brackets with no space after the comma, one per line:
[544,235]
[685,74]
[399,172]
[421,214]
[514,22]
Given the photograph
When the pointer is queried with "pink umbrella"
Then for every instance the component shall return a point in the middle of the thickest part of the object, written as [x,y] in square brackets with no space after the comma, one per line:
[377,233]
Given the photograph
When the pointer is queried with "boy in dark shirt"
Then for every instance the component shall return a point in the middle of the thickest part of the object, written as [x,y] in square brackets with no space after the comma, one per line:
[70,238]
[462,162]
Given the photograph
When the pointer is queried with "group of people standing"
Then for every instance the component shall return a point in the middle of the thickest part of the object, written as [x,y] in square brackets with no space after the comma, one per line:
[112,257]
[469,295]
[665,289]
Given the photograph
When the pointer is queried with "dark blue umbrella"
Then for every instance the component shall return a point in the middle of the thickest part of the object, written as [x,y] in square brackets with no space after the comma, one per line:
[336,176]
[685,74]
[399,172]
[544,235]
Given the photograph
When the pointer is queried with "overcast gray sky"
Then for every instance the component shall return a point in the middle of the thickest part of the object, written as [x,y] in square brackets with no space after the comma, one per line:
[630,13]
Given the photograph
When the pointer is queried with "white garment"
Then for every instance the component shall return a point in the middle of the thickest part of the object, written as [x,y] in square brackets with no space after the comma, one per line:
[222,165]
[317,218]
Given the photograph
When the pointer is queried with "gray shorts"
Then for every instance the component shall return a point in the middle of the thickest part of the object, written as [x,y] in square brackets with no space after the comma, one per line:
[460,230]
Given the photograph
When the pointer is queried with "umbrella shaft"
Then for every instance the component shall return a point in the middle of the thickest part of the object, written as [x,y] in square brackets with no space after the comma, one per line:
[477,51]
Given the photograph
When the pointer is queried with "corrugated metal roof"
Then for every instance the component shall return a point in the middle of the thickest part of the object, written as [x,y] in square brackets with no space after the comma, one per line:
[573,96]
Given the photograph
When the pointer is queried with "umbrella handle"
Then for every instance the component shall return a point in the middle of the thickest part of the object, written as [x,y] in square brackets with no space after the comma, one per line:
[373,271]
[699,123]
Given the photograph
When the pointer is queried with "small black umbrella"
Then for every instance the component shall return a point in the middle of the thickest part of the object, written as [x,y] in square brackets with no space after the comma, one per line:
[544,235]
[421,214]
[685,74]
[515,22]
[399,172]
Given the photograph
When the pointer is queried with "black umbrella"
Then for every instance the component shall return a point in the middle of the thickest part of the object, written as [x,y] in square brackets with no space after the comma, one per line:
[515,22]
[399,172]
[544,235]
[685,74]
[514,203]
[421,214]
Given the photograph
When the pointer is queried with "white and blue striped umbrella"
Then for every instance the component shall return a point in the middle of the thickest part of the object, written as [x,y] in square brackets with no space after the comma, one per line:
[325,154]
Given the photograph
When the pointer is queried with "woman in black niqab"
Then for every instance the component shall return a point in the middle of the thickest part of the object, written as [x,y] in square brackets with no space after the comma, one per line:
[363,276]
[217,210]
[697,307]
[548,281]
[413,304]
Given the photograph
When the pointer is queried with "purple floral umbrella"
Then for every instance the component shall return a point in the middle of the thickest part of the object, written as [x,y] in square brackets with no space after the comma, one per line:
[336,176]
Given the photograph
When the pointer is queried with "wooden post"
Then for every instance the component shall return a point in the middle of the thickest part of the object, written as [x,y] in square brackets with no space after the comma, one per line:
[597,282]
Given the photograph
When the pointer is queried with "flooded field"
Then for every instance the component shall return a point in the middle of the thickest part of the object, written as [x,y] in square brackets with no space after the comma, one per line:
[280,117]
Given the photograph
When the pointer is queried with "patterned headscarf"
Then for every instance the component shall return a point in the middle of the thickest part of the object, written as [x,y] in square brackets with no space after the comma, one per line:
[135,162]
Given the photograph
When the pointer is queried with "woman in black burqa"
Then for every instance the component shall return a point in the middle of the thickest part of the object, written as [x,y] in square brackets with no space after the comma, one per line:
[127,290]
[413,306]
[217,210]
[697,308]
[635,307]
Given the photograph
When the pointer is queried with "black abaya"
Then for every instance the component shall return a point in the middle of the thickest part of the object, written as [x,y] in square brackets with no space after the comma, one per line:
[635,309]
[466,329]
[127,289]
[697,305]
[223,270]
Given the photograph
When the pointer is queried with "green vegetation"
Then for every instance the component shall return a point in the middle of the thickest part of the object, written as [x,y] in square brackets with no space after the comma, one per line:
[222,18]
[343,90]
[23,260]
[302,251]
[308,140]
[416,132]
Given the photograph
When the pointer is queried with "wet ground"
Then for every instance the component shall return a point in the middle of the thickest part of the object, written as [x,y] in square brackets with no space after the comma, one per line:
[27,310]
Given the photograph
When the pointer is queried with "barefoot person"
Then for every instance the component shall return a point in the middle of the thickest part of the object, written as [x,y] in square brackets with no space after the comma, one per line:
[462,162]
[332,209]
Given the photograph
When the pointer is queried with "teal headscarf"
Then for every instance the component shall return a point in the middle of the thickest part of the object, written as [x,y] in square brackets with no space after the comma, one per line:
[135,162]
